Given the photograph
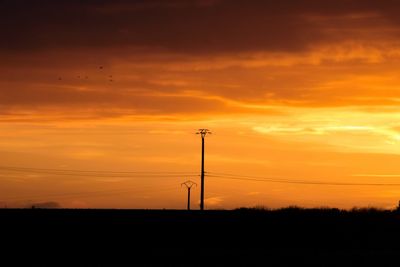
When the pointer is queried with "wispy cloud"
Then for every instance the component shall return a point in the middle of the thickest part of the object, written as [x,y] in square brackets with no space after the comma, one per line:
[377,175]
[213,201]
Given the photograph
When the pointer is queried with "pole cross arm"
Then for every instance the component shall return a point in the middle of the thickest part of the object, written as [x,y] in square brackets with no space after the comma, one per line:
[189,184]
[203,132]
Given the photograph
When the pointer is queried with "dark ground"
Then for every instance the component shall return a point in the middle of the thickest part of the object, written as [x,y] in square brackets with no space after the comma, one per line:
[289,237]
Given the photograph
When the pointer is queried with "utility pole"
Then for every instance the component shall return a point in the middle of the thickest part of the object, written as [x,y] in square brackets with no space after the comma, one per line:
[189,185]
[203,133]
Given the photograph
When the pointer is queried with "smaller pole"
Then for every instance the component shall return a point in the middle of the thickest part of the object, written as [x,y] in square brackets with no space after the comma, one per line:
[189,184]
[188,204]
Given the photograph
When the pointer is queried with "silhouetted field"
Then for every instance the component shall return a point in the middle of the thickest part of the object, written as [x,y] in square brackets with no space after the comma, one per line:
[244,237]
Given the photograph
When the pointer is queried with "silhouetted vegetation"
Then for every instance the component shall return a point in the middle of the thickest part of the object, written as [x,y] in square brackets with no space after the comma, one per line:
[322,210]
[255,236]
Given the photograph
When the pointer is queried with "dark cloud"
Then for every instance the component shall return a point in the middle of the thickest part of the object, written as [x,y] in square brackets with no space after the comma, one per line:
[102,103]
[173,57]
[176,26]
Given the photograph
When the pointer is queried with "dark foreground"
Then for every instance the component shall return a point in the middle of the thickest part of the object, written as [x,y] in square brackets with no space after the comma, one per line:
[288,237]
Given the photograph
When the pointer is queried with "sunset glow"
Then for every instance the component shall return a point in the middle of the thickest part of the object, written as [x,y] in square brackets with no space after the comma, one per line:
[293,91]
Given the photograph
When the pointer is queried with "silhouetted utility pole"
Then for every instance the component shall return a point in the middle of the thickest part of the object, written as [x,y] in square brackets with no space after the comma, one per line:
[203,133]
[189,185]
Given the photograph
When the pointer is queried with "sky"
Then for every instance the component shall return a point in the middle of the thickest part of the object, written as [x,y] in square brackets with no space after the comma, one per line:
[100,102]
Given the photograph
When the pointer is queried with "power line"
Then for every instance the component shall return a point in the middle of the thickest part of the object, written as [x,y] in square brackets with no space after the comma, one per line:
[86,194]
[157,174]
[92,173]
[293,181]
[67,194]
[106,176]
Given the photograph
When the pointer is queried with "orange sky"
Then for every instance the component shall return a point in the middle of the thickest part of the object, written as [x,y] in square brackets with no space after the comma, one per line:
[291,91]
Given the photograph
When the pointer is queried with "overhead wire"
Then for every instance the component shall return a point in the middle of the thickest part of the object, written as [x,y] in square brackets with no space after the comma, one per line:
[292,181]
[97,174]
[93,173]
[86,194]
[146,174]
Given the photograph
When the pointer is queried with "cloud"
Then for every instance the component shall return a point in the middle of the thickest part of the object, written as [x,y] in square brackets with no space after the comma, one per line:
[213,201]
[254,193]
[190,27]
[312,130]
[195,58]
